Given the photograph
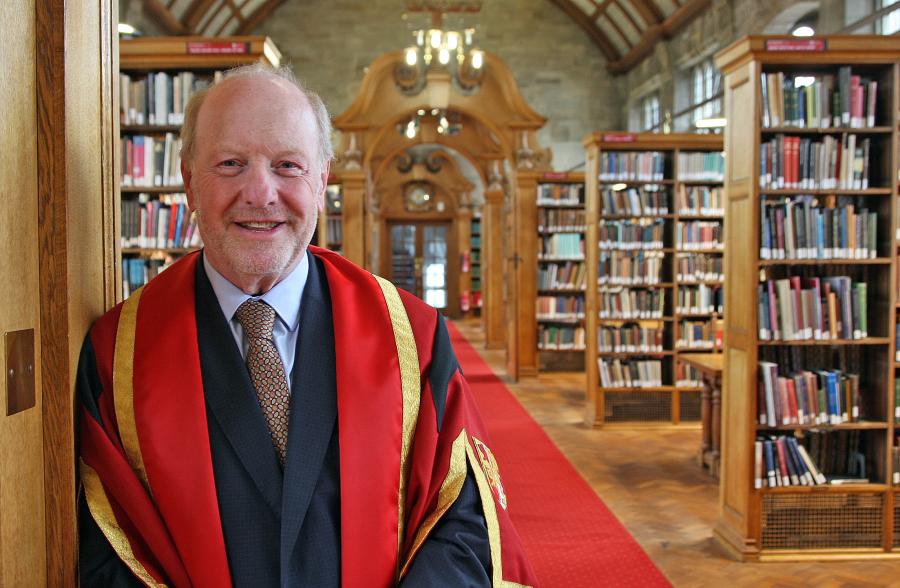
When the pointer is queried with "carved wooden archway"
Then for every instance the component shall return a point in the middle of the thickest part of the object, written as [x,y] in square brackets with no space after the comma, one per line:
[499,136]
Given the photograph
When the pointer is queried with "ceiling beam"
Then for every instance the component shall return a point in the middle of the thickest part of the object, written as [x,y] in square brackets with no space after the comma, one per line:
[617,28]
[257,17]
[649,11]
[682,17]
[631,19]
[195,13]
[165,19]
[669,28]
[637,53]
[596,35]
[235,15]
[598,9]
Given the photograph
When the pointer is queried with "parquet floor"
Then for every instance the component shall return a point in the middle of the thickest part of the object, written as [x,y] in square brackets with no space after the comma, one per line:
[651,481]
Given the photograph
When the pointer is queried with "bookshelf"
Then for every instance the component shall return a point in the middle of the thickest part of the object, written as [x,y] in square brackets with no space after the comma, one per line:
[475,266]
[561,271]
[654,273]
[330,232]
[158,75]
[811,293]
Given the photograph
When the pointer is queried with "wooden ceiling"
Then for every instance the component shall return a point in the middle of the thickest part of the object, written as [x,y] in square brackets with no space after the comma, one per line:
[211,18]
[625,31]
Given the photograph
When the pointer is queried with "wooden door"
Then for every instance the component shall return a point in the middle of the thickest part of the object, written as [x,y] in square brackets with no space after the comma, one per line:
[420,261]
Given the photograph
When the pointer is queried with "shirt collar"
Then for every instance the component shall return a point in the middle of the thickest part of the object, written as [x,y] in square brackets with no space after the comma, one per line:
[284,297]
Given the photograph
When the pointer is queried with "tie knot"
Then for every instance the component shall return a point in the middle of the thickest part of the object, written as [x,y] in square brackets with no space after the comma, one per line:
[257,319]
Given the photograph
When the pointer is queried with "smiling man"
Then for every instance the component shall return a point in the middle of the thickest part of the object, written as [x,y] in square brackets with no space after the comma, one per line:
[265,413]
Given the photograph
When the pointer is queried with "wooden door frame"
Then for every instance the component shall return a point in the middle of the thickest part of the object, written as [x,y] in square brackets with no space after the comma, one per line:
[77,235]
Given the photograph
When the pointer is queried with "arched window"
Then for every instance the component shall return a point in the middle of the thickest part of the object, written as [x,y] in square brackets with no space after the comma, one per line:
[705,83]
[697,91]
[650,112]
[890,23]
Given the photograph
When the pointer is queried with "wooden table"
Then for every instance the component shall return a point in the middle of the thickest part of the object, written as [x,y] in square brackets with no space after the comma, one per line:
[710,367]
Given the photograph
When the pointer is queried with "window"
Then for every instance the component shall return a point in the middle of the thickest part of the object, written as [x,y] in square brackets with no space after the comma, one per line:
[650,112]
[890,23]
[705,83]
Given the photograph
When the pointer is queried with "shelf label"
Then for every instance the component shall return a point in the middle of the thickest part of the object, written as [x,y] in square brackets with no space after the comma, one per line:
[620,137]
[796,45]
[217,48]
[556,176]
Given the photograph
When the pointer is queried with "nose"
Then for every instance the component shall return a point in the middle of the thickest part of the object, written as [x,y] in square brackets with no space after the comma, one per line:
[259,188]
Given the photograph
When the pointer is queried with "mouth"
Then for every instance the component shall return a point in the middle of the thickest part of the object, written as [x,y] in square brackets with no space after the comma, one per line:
[259,226]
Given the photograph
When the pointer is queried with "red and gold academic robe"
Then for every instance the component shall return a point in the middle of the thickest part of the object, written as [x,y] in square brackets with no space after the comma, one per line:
[145,451]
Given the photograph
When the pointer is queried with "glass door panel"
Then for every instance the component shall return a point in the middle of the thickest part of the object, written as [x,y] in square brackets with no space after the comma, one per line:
[403,257]
[435,265]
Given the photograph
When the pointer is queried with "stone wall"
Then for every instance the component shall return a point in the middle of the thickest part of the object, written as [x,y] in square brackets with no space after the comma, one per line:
[667,69]
[561,73]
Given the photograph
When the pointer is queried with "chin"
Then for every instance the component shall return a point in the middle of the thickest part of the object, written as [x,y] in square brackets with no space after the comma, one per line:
[264,261]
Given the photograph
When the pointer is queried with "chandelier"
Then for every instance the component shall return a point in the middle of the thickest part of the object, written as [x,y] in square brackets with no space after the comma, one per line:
[441,48]
[445,122]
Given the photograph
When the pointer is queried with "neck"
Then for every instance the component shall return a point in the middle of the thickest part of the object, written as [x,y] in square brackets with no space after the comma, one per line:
[254,283]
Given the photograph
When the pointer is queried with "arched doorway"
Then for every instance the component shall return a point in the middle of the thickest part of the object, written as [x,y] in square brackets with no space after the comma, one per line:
[495,130]
[424,210]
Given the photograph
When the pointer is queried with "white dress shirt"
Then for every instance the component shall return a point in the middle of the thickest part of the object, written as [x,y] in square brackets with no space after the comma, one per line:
[285,297]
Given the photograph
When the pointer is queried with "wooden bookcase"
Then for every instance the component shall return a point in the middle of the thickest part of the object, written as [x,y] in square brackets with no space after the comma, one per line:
[475,266]
[330,230]
[561,271]
[675,264]
[830,521]
[160,61]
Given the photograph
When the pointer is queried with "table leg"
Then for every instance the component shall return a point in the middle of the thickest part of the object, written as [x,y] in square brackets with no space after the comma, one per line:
[716,425]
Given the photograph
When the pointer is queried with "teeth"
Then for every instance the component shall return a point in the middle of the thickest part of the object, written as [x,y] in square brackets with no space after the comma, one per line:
[259,225]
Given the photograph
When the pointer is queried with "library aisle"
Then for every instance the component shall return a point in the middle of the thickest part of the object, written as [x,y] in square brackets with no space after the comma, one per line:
[654,486]
[561,541]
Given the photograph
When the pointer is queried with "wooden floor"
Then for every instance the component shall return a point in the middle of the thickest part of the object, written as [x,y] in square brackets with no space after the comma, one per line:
[651,481]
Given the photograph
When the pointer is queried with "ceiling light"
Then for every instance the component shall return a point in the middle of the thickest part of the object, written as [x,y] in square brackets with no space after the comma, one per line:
[477,58]
[619,186]
[439,45]
[126,29]
[803,31]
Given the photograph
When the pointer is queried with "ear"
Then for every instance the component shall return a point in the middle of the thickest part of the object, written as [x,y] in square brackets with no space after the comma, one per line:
[323,185]
[186,178]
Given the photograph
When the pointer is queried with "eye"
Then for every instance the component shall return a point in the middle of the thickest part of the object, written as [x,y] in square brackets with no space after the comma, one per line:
[290,167]
[229,163]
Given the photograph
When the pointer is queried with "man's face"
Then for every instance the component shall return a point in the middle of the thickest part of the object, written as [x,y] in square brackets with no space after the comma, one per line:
[256,182]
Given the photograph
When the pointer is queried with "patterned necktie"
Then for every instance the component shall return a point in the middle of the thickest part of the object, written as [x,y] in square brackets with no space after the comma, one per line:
[266,369]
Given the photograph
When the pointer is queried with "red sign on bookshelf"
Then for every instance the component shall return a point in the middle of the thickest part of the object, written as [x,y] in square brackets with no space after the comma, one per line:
[796,45]
[556,176]
[217,48]
[620,137]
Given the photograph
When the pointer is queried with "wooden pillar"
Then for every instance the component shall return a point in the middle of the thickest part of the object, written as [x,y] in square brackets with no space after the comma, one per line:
[522,357]
[353,215]
[493,309]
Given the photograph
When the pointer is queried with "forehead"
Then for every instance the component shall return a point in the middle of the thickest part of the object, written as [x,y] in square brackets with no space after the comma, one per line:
[256,111]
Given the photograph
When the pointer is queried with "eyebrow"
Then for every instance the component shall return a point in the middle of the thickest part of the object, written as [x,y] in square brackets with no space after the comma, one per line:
[283,152]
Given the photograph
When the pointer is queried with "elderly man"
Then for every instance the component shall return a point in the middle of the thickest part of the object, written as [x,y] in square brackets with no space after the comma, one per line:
[265,413]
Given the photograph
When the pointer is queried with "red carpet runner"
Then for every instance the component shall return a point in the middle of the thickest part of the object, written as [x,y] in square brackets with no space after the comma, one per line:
[572,539]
